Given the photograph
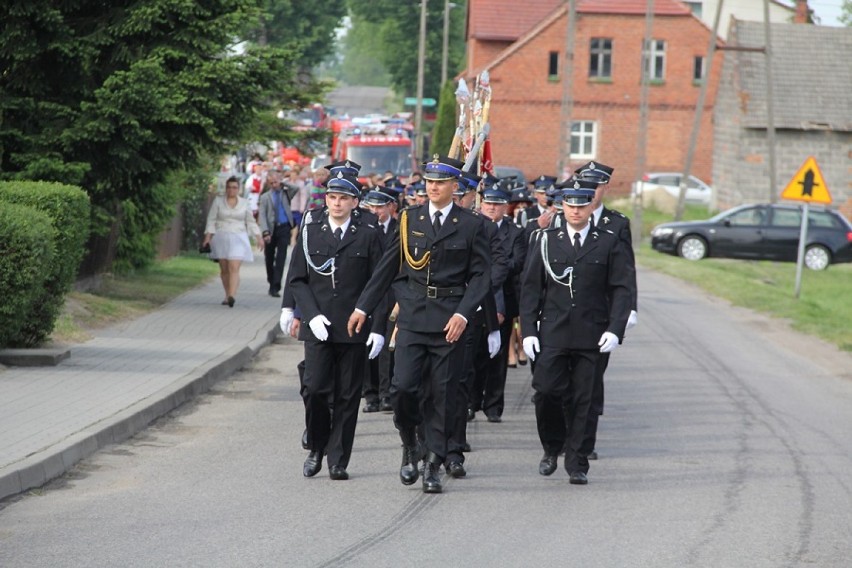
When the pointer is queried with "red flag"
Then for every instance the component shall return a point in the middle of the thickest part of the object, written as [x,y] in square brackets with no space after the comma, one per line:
[487,162]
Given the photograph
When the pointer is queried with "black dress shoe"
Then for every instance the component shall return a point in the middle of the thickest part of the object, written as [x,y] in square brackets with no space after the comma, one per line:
[522,362]
[231,301]
[275,294]
[431,479]
[338,473]
[494,418]
[305,445]
[456,469]
[385,405]
[547,465]
[593,455]
[372,406]
[313,464]
[512,365]
[577,478]
[466,448]
[471,414]
[408,472]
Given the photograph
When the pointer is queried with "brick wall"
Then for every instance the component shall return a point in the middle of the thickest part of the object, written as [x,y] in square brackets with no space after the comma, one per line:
[526,105]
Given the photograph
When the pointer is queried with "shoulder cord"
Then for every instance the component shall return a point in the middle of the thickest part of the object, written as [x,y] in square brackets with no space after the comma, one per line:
[567,273]
[403,244]
[328,268]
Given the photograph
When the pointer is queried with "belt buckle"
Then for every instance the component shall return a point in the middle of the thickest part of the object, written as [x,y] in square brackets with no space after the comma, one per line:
[431,291]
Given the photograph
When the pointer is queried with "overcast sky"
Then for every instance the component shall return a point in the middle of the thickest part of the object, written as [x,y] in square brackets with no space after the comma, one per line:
[827,10]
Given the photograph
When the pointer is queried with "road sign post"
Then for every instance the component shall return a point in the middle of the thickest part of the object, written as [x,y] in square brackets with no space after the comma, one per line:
[808,186]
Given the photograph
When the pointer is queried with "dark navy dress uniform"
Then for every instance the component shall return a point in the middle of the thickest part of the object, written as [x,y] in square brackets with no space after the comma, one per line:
[569,299]
[334,368]
[434,276]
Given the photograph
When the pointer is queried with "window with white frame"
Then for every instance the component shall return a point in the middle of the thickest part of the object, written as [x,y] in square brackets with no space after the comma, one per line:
[584,134]
[600,57]
[654,60]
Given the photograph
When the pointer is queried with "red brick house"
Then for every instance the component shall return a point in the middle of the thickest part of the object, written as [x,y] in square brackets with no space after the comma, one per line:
[522,45]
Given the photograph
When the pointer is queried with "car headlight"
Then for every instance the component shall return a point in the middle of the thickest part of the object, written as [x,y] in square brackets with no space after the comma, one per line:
[661,231]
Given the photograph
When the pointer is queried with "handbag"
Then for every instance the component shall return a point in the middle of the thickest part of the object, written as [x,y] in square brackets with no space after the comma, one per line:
[204,248]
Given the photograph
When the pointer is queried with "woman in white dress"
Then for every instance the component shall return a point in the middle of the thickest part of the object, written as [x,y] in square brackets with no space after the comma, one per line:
[228,226]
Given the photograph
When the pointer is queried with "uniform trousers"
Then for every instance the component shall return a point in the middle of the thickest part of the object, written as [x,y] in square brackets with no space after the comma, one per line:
[379,372]
[333,372]
[597,407]
[473,335]
[275,254]
[494,385]
[427,367]
[563,381]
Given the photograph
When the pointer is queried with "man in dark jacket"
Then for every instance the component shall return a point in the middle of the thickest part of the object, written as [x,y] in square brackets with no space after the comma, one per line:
[439,268]
[334,257]
[575,302]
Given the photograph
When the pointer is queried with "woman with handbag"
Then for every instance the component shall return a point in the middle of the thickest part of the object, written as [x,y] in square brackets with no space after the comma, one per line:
[229,223]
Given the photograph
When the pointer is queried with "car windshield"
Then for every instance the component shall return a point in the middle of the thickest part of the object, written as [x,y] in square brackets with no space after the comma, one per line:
[394,159]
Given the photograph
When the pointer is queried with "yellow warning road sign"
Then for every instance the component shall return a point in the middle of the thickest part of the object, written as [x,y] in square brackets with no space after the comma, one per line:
[807,185]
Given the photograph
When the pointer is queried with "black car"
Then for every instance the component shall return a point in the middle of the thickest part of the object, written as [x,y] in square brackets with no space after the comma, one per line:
[764,232]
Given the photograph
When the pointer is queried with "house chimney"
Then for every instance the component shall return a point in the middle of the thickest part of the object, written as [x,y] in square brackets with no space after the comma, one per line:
[802,12]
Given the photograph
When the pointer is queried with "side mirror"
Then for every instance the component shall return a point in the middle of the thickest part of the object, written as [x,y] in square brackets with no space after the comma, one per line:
[727,222]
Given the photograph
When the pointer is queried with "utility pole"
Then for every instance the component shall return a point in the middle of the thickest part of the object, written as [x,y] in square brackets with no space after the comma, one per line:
[699,110]
[636,225]
[770,107]
[567,95]
[421,61]
[446,45]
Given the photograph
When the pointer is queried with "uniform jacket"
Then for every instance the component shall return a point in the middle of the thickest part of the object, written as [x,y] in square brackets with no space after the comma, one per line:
[619,224]
[356,256]
[459,258]
[516,245]
[601,287]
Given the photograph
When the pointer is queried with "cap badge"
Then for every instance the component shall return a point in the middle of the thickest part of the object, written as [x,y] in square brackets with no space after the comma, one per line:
[348,165]
[576,185]
[591,165]
[436,159]
[339,175]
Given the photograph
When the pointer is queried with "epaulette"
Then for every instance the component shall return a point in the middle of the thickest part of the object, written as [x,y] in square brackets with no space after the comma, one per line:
[619,213]
[315,216]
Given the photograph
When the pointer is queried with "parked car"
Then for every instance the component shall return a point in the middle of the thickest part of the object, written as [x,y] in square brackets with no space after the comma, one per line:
[763,231]
[696,190]
[508,171]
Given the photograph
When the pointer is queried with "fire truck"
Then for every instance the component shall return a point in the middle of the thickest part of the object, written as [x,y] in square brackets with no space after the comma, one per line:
[378,143]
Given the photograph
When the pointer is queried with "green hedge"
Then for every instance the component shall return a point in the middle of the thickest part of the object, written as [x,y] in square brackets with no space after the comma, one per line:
[26,250]
[68,209]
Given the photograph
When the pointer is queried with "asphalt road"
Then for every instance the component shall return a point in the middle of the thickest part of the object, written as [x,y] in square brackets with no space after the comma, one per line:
[725,443]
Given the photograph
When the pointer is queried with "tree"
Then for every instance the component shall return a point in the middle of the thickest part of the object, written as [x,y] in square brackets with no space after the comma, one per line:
[399,29]
[115,96]
[445,121]
[846,13]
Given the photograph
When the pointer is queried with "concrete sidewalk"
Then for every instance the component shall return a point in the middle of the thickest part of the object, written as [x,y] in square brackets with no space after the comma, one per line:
[130,374]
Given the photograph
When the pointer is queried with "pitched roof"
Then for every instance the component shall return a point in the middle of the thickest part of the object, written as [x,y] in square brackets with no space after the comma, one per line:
[811,75]
[504,20]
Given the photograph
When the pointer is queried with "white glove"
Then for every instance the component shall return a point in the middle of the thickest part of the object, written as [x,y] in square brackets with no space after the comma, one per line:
[608,342]
[375,342]
[531,347]
[494,343]
[286,321]
[317,326]
[633,319]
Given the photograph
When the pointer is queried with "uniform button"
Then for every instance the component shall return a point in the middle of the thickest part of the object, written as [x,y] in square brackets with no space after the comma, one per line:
[573,305]
[335,294]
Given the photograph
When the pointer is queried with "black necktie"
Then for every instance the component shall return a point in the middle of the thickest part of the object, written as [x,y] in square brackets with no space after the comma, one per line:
[592,221]
[576,242]
[338,233]
[436,224]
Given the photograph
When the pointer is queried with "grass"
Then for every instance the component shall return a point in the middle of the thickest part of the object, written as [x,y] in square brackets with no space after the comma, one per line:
[823,309]
[125,297]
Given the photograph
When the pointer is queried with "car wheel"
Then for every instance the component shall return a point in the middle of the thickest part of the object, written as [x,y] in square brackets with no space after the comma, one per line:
[692,247]
[817,257]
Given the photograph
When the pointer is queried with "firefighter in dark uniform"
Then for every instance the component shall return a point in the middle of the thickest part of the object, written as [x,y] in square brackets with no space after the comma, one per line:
[575,302]
[439,268]
[380,370]
[611,220]
[489,392]
[334,257]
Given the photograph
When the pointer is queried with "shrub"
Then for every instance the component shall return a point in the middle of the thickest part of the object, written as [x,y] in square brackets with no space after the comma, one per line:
[67,207]
[26,251]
